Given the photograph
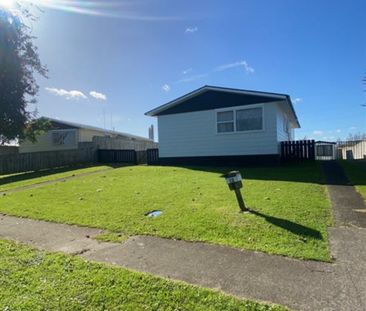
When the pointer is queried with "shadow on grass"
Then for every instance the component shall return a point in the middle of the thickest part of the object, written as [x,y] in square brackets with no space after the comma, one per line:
[307,172]
[48,172]
[293,227]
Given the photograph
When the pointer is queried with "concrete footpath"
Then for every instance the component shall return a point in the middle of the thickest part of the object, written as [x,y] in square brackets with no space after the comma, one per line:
[348,206]
[300,285]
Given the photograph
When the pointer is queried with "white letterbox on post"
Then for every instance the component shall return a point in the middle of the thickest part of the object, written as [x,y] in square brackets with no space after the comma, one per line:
[234,181]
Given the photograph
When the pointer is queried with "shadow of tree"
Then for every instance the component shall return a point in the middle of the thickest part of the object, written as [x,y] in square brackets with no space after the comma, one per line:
[291,226]
[46,172]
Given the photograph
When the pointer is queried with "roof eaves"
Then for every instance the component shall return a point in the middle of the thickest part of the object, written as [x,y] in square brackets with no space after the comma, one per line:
[93,128]
[288,98]
[175,102]
[204,88]
[249,92]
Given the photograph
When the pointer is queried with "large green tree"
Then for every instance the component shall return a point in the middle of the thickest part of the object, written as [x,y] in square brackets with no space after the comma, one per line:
[19,64]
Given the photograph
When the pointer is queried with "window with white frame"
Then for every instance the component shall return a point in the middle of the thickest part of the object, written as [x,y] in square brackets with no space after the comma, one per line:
[249,119]
[240,120]
[324,150]
[225,121]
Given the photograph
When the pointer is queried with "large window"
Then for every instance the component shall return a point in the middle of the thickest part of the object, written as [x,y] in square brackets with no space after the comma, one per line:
[240,120]
[63,137]
[324,150]
[249,119]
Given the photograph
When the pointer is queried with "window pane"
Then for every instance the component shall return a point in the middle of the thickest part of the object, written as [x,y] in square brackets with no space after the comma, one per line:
[324,150]
[249,119]
[225,116]
[225,127]
[319,150]
[328,150]
[63,138]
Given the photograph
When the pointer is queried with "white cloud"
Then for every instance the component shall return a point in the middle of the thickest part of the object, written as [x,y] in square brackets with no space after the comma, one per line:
[193,78]
[185,71]
[166,88]
[338,130]
[241,63]
[113,9]
[98,95]
[318,132]
[297,100]
[191,29]
[352,128]
[73,94]
[328,138]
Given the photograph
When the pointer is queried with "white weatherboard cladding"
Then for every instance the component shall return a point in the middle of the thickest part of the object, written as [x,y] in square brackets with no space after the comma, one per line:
[86,135]
[194,134]
[282,117]
[281,134]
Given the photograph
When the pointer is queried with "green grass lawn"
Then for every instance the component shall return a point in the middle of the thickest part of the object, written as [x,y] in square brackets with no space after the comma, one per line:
[356,172]
[34,280]
[8,182]
[292,206]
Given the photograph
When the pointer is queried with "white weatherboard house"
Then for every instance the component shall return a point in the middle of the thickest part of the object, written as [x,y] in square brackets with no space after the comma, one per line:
[64,135]
[216,124]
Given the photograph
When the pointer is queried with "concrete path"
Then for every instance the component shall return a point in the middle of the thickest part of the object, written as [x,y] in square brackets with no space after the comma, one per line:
[348,206]
[300,285]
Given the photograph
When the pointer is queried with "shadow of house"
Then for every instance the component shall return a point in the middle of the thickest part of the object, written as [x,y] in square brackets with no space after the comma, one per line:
[306,172]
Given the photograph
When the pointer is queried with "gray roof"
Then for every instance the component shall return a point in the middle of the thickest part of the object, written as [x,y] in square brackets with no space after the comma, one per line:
[94,128]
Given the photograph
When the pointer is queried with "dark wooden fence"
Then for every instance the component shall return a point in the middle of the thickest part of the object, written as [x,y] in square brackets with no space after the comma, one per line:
[4,150]
[117,156]
[152,156]
[298,150]
[24,162]
[149,156]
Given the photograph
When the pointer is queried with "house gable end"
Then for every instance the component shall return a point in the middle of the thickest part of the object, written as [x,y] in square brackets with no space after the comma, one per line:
[211,99]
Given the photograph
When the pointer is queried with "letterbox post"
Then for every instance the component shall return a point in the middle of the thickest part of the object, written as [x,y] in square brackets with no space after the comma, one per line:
[234,182]
[240,200]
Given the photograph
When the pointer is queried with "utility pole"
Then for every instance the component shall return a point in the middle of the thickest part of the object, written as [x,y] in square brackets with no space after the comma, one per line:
[364,106]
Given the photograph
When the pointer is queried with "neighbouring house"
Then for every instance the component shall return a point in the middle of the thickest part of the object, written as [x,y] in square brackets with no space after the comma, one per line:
[64,135]
[216,124]
[352,150]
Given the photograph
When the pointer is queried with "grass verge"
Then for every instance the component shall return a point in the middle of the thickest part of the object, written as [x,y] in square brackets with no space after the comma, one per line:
[34,280]
[111,237]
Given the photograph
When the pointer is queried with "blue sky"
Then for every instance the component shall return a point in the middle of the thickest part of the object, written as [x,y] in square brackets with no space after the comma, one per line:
[141,54]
